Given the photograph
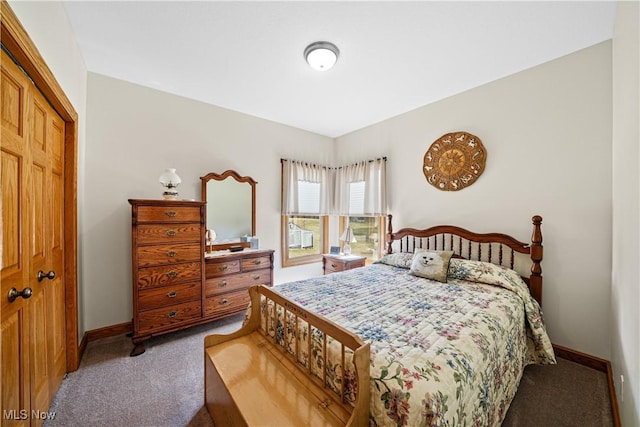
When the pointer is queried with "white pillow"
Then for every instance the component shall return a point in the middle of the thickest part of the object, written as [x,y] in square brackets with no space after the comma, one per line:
[431,264]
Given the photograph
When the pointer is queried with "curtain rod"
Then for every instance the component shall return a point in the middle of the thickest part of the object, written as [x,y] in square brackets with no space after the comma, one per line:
[332,167]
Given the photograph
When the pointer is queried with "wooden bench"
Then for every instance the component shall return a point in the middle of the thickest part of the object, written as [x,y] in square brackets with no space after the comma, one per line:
[284,368]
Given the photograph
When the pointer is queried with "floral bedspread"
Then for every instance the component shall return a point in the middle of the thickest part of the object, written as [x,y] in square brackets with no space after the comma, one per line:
[442,354]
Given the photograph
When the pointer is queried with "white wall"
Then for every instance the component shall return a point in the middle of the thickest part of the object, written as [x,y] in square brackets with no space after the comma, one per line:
[49,29]
[625,331]
[133,134]
[547,131]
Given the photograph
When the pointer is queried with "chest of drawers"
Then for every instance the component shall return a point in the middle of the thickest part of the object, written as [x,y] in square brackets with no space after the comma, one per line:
[168,266]
[229,275]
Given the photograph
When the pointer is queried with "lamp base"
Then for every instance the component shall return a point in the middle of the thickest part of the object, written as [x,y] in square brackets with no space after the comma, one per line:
[347,249]
[170,195]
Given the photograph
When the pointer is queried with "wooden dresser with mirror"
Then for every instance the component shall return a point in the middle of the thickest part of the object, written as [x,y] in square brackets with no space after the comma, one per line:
[231,200]
[177,282]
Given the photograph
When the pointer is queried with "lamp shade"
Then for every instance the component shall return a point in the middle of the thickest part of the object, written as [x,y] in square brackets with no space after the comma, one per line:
[348,236]
[170,180]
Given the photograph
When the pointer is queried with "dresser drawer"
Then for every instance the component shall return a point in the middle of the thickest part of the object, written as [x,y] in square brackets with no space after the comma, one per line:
[168,295]
[168,254]
[256,263]
[219,285]
[332,263]
[160,233]
[222,268]
[226,303]
[168,214]
[161,318]
[332,266]
[150,277]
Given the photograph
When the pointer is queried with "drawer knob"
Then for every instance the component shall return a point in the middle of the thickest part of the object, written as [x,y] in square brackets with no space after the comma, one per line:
[224,267]
[170,214]
[172,294]
[223,284]
[257,262]
[171,233]
[172,314]
[224,301]
[171,274]
[171,253]
[333,265]
[256,277]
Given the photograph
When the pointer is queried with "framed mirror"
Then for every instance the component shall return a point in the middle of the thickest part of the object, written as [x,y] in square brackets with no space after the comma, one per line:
[231,208]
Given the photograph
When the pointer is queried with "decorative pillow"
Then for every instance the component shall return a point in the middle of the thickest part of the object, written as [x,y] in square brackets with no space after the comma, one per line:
[431,264]
[400,259]
[483,272]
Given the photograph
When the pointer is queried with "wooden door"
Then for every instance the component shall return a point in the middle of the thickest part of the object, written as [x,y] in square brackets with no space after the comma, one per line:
[33,318]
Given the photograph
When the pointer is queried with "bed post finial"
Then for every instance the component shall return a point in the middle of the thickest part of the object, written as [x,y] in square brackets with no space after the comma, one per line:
[536,257]
[389,232]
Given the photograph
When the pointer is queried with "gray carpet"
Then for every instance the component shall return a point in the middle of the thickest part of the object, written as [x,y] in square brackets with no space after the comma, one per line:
[164,387]
[563,395]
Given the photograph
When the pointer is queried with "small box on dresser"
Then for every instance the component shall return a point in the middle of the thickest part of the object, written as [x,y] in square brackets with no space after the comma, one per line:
[168,266]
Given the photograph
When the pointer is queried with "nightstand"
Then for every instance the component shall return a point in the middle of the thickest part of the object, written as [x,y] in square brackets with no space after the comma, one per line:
[333,263]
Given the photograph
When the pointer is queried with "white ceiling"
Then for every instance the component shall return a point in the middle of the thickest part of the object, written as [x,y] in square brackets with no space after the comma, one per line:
[394,56]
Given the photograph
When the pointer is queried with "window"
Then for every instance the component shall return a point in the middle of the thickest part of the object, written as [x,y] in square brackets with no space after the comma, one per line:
[356,193]
[356,197]
[362,189]
[304,239]
[304,212]
[369,232]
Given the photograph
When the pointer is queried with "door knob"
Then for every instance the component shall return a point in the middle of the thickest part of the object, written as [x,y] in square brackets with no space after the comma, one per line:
[50,275]
[13,294]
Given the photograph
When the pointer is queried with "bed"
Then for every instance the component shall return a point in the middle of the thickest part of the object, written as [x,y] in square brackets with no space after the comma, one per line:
[442,353]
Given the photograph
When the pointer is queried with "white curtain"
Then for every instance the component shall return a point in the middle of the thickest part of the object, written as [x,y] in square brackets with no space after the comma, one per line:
[306,188]
[361,189]
[356,190]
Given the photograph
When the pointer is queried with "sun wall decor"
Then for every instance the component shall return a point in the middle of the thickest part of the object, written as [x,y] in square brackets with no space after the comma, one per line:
[454,161]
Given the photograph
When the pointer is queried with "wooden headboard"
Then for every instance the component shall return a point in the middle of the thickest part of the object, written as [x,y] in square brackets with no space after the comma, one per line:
[497,248]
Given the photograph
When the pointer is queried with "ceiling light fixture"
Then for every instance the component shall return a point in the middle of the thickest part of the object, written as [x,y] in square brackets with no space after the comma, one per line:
[321,55]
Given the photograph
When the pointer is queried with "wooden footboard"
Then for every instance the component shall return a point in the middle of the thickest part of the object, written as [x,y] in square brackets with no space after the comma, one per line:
[286,366]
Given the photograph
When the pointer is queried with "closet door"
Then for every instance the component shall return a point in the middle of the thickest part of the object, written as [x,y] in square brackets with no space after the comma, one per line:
[33,318]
